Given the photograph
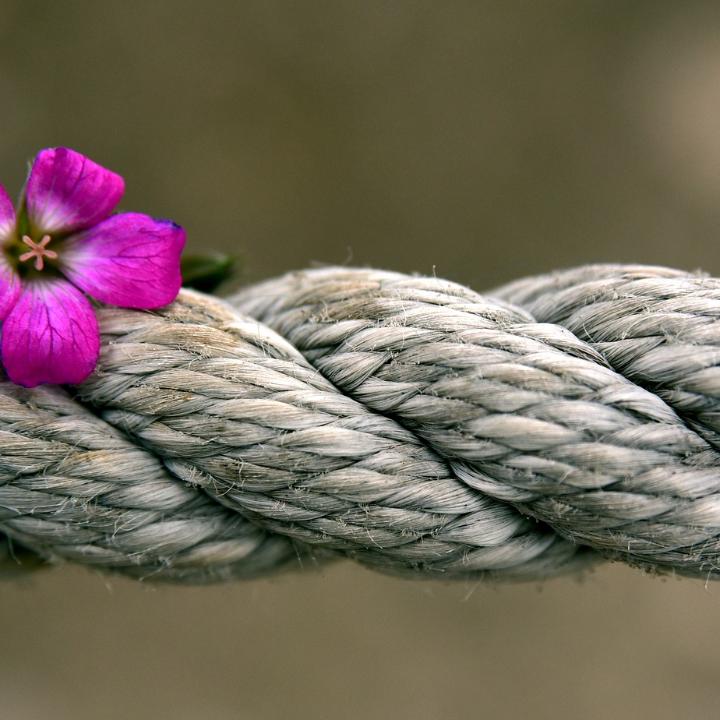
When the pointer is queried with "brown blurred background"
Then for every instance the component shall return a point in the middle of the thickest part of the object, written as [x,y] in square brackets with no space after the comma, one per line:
[482,140]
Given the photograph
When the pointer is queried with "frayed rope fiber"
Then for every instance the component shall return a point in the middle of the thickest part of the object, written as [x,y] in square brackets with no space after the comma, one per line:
[405,422]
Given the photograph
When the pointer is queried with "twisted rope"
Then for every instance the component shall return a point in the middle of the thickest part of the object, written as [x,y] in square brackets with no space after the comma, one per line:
[405,422]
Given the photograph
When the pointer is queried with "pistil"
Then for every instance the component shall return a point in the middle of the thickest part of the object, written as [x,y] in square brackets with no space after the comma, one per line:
[38,251]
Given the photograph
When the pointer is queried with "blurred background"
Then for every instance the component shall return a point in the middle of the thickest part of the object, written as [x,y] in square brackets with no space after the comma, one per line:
[480,140]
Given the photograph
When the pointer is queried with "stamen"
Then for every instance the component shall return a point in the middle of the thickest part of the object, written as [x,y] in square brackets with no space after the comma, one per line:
[38,251]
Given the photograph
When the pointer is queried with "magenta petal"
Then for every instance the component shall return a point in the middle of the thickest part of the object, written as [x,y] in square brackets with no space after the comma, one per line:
[9,287]
[50,336]
[7,215]
[67,191]
[130,260]
[9,280]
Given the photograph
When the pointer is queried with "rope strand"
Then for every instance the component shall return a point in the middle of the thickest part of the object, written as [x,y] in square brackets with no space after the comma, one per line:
[405,422]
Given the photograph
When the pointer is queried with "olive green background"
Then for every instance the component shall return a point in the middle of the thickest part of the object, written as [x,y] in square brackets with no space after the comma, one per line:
[482,141]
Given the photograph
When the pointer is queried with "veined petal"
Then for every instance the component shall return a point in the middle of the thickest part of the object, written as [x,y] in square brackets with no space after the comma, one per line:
[50,336]
[7,215]
[9,287]
[130,260]
[67,191]
[9,280]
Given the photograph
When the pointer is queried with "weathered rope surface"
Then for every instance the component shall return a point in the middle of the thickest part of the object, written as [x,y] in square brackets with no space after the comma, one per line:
[406,422]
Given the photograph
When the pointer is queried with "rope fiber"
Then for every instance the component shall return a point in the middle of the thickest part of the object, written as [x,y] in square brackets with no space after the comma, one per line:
[405,422]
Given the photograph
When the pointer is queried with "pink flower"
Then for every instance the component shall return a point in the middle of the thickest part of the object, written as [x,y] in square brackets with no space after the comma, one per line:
[64,242]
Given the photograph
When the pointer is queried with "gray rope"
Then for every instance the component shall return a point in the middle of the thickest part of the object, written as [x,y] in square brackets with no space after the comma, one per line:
[405,422]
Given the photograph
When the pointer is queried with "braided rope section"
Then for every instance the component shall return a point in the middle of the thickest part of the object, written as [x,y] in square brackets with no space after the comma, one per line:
[405,422]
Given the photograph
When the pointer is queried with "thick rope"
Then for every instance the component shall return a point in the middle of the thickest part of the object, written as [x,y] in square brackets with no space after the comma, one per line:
[406,422]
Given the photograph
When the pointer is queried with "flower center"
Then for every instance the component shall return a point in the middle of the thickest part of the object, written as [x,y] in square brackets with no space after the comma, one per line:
[38,251]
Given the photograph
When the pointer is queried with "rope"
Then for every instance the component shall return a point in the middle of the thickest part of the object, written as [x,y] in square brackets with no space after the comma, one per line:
[405,422]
